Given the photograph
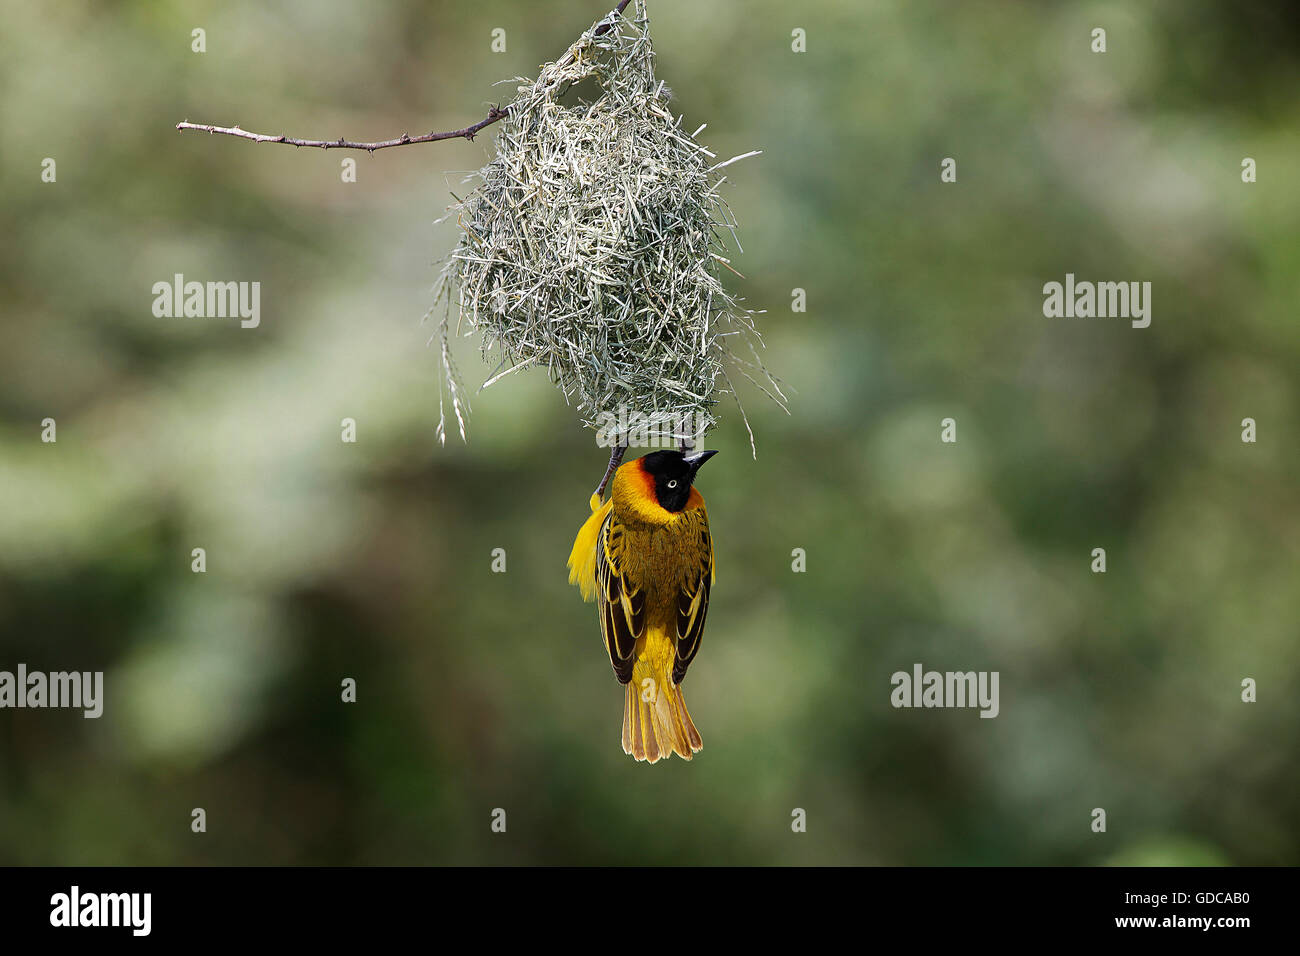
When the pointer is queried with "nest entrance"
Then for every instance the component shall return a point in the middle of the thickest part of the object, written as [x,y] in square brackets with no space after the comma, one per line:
[592,247]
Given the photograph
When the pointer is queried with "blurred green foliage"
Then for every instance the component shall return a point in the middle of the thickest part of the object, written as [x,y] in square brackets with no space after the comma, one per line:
[478,690]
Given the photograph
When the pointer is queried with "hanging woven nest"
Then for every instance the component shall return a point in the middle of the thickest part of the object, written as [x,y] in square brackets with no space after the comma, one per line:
[593,245]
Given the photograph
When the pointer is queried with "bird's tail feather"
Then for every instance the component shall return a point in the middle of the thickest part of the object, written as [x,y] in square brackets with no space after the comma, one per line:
[656,722]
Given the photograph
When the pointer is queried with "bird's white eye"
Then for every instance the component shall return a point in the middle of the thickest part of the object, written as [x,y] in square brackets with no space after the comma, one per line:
[673,483]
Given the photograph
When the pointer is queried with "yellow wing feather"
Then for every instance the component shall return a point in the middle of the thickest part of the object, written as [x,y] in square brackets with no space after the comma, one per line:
[582,559]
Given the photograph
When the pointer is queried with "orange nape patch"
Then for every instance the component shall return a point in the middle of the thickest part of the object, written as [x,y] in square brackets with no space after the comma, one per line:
[633,494]
[645,482]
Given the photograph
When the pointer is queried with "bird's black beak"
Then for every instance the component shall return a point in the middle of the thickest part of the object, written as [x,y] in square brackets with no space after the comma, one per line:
[697,459]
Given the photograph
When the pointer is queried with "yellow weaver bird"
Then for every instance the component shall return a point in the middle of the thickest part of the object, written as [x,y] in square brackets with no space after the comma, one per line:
[646,555]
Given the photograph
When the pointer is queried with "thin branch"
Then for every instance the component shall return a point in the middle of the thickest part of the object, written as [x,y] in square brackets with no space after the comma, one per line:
[495,114]
[605,27]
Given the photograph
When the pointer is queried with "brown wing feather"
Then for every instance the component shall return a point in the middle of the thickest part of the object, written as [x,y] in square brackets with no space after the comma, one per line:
[693,601]
[621,605]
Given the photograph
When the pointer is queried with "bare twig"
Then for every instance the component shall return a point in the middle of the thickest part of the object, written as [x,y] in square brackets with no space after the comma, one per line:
[495,114]
[609,22]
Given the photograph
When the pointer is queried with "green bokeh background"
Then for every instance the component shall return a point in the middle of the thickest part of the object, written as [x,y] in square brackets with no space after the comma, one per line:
[478,690]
